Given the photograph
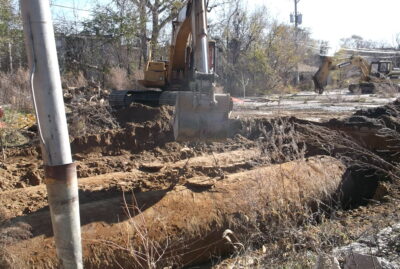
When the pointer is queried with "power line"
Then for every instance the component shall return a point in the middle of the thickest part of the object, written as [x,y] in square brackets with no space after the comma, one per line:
[73,8]
[372,51]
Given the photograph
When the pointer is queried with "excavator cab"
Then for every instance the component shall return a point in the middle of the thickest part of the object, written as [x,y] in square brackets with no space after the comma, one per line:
[155,75]
[381,67]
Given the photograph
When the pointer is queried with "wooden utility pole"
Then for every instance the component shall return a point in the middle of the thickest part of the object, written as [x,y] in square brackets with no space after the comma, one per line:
[296,21]
[296,26]
[10,58]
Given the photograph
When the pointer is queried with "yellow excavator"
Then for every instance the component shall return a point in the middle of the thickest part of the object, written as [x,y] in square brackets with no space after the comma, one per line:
[186,80]
[372,74]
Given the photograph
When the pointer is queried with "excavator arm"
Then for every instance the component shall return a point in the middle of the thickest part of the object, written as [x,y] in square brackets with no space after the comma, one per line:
[321,77]
[327,65]
[200,113]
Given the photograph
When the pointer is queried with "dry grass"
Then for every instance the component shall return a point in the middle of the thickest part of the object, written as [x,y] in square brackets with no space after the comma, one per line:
[144,252]
[16,97]
[73,80]
[302,232]
[91,119]
[274,237]
[9,234]
[13,131]
[118,79]
[88,111]
[151,254]
[281,143]
[15,90]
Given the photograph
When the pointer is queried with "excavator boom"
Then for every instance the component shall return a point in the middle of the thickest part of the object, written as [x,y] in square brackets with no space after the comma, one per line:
[200,114]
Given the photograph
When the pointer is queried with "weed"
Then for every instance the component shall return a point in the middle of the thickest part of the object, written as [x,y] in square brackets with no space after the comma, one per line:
[73,80]
[9,234]
[118,79]
[15,90]
[139,250]
[13,129]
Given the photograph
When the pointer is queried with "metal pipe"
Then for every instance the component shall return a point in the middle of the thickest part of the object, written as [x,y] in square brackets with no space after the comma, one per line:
[60,172]
[200,33]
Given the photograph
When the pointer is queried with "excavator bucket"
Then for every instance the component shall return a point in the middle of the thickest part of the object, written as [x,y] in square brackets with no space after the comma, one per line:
[321,77]
[198,117]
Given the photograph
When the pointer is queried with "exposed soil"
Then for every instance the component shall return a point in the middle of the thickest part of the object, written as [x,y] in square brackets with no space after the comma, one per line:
[135,153]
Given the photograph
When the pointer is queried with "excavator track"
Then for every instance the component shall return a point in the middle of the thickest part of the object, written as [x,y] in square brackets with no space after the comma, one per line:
[121,99]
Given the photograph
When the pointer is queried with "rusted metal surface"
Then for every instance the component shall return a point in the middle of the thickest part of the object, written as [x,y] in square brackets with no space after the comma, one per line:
[65,173]
[62,190]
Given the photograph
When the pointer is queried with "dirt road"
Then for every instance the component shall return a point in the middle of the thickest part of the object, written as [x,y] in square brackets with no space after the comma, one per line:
[308,105]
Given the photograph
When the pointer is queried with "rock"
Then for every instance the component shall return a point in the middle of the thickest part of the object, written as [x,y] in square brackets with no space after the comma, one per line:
[33,178]
[326,261]
[381,191]
[187,153]
[151,167]
[375,247]
[20,185]
[357,261]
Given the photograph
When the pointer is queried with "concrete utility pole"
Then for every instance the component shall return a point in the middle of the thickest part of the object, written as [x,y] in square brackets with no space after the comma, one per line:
[60,171]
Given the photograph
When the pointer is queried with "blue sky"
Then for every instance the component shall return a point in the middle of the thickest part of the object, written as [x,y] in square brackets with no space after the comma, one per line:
[328,20]
[59,12]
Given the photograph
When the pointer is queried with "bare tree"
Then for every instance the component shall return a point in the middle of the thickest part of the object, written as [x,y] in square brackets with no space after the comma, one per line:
[160,12]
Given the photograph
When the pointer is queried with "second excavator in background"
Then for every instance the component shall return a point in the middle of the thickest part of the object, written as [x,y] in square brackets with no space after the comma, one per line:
[372,74]
[186,80]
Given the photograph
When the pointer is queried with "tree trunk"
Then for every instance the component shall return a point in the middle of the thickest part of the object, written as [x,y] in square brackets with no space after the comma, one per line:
[10,57]
[156,31]
[143,32]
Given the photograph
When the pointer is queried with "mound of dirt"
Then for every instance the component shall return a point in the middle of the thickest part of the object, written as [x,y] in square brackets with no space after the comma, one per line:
[389,115]
[142,127]
[133,138]
[376,129]
[88,111]
[138,113]
[382,88]
[367,142]
[89,107]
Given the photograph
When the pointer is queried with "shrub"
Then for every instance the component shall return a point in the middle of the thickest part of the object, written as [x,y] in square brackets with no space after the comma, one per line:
[71,79]
[15,90]
[117,78]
